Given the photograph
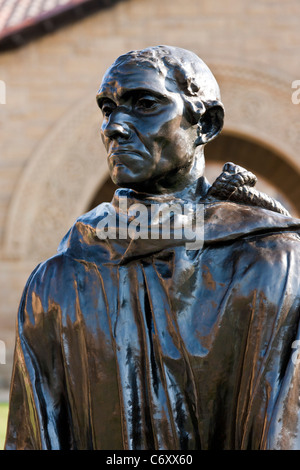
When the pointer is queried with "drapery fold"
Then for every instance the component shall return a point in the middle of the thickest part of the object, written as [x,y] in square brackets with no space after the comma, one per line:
[165,348]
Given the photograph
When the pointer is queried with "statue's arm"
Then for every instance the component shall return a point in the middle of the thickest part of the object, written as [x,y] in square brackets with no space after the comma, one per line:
[38,408]
[280,373]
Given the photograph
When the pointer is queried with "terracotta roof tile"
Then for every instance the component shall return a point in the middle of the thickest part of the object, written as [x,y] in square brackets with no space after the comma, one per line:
[17,15]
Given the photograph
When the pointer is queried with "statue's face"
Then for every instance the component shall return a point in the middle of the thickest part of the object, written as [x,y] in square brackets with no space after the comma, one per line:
[145,133]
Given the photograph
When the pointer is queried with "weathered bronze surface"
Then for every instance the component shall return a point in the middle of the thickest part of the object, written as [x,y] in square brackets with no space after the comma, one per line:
[139,343]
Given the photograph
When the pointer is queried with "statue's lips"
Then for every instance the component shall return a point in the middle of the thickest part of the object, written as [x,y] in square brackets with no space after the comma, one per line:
[119,156]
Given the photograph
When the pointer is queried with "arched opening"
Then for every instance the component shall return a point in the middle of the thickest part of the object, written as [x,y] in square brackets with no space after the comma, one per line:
[276,176]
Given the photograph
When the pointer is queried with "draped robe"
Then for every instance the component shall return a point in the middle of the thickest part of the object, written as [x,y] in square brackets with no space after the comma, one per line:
[138,345]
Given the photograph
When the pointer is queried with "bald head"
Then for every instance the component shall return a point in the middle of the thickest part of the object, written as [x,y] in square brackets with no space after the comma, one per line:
[184,72]
[191,74]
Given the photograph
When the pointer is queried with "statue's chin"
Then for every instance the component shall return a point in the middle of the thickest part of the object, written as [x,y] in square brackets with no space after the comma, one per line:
[123,177]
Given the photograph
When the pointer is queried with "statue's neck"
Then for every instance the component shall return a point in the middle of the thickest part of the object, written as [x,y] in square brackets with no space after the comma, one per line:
[188,185]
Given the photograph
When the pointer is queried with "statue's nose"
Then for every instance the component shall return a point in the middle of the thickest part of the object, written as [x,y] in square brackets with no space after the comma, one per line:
[115,130]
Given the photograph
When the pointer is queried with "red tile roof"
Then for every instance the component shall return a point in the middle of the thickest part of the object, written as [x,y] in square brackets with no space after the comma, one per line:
[17,17]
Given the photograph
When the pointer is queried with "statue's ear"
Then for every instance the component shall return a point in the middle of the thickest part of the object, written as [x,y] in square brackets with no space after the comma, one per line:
[210,123]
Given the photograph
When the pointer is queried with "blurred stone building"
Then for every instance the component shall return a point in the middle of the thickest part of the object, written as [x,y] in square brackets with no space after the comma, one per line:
[53,54]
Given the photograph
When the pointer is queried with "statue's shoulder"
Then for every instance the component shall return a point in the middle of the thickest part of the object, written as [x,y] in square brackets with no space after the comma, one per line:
[235,209]
[236,184]
[81,242]
[226,221]
[79,246]
[54,285]
[50,273]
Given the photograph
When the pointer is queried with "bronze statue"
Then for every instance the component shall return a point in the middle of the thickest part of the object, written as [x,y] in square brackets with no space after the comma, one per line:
[139,342]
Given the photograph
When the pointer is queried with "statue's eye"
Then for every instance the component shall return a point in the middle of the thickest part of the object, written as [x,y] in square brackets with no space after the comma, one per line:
[107,108]
[146,103]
